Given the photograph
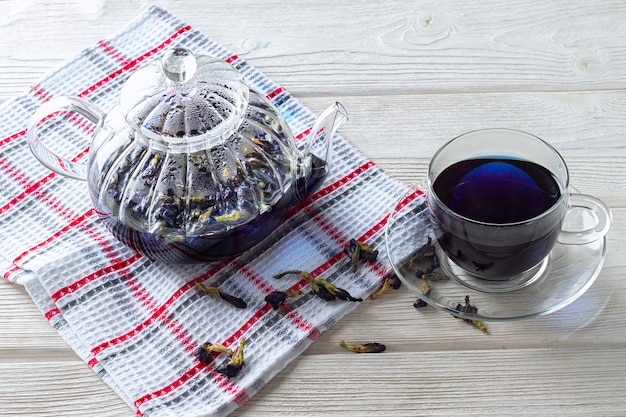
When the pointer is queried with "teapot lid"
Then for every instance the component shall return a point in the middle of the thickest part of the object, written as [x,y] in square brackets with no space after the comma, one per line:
[188,102]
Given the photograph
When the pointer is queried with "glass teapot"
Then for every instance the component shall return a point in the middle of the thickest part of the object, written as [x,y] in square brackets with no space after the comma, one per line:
[192,165]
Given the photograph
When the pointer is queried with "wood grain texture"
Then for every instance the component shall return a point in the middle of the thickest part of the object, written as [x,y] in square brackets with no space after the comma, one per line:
[44,387]
[330,47]
[539,382]
[413,75]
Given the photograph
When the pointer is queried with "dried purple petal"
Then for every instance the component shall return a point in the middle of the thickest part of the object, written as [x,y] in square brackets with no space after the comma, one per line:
[395,282]
[345,295]
[322,292]
[206,352]
[425,251]
[149,174]
[278,298]
[369,254]
[434,263]
[482,267]
[419,303]
[351,245]
[229,370]
[232,368]
[328,291]
[203,355]
[425,257]
[470,309]
[236,301]
[360,251]
[467,308]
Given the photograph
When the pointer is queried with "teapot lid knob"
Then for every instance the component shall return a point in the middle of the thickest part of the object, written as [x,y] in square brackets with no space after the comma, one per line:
[179,65]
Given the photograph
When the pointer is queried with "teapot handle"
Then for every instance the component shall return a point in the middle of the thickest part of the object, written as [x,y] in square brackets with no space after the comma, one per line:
[48,158]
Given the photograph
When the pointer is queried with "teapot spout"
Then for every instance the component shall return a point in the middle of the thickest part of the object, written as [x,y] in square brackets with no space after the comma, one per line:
[315,161]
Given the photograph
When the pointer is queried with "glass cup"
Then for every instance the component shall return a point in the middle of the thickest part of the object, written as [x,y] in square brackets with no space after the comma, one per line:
[500,199]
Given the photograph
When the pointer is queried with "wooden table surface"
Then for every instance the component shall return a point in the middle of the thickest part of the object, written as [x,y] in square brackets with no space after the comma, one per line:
[413,74]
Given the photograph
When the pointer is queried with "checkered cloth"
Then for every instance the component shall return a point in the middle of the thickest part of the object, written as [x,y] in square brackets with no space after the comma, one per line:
[137,322]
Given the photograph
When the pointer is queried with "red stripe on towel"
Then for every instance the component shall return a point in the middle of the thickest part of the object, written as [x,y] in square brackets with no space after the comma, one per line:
[112,51]
[259,314]
[272,94]
[132,64]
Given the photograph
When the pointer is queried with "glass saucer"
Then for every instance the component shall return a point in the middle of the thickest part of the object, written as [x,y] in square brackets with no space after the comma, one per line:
[567,272]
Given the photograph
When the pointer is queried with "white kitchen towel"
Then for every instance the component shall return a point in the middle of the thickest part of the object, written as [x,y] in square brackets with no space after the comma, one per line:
[137,322]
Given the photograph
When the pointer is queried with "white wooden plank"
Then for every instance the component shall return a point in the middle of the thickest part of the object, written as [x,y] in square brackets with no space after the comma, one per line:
[22,326]
[564,382]
[557,382]
[49,387]
[352,47]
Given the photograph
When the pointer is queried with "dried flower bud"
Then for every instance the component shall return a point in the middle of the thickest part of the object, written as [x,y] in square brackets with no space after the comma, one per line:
[328,291]
[232,368]
[278,298]
[221,294]
[426,257]
[236,301]
[367,253]
[320,287]
[229,370]
[419,303]
[372,347]
[323,292]
[203,355]
[434,263]
[206,351]
[360,251]
[390,281]
[470,309]
[342,294]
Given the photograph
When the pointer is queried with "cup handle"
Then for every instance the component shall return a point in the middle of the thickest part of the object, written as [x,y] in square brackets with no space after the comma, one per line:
[586,220]
[48,158]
